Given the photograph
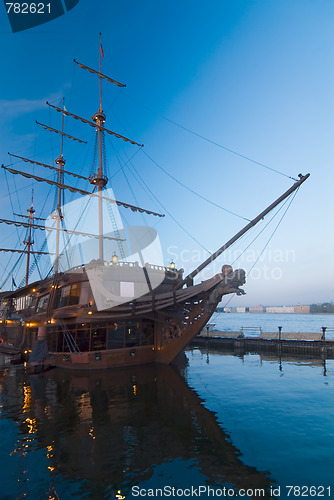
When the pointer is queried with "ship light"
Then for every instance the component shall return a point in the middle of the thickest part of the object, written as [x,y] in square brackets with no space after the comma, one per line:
[172,265]
[114,259]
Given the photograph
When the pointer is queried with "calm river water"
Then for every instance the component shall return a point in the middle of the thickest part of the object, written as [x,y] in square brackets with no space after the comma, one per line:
[270,322]
[218,426]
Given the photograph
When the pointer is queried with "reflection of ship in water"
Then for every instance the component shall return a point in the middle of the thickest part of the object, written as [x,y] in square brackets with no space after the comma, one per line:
[109,433]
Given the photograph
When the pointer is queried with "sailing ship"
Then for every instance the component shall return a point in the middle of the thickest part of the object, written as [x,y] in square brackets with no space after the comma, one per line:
[110,301]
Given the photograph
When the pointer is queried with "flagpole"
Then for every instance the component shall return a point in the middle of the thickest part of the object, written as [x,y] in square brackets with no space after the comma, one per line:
[101,51]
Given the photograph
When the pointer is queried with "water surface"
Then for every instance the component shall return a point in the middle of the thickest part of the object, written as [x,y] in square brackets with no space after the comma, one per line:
[309,323]
[243,423]
[278,412]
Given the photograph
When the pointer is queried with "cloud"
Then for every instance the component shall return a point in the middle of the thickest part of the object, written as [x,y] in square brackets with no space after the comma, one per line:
[20,106]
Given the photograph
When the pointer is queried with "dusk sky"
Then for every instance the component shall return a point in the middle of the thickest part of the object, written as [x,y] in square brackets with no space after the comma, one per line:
[204,81]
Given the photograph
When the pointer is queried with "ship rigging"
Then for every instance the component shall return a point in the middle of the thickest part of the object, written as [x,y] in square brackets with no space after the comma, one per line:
[90,312]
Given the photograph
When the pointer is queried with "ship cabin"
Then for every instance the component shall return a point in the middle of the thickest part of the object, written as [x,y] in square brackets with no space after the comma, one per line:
[65,305]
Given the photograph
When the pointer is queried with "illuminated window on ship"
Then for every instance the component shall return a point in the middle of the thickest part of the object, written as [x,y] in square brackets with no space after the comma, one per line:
[101,336]
[42,303]
[69,295]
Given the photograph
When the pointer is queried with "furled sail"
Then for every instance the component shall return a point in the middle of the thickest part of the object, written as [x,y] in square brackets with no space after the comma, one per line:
[46,127]
[92,124]
[101,75]
[28,216]
[47,228]
[49,166]
[81,191]
[12,250]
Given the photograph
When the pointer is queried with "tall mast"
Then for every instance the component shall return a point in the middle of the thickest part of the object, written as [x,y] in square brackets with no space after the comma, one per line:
[100,79]
[29,241]
[60,162]
[99,179]
[30,225]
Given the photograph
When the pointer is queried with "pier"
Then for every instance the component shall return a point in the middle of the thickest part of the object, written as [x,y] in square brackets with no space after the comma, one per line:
[241,342]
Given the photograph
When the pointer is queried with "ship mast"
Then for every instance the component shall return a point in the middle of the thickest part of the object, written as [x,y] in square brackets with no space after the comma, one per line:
[30,225]
[99,179]
[60,161]
[29,241]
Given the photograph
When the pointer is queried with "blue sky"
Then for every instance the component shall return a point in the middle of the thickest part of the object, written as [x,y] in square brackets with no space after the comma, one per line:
[253,76]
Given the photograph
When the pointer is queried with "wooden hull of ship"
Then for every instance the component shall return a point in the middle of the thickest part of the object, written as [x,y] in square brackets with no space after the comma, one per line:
[174,315]
[178,316]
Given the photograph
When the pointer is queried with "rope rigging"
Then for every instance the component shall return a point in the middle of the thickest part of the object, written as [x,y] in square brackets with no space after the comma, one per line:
[10,273]
[139,179]
[19,238]
[291,198]
[167,211]
[214,142]
[150,193]
[121,169]
[194,192]
[35,263]
[264,228]
[186,187]
[230,150]
[95,155]
[277,226]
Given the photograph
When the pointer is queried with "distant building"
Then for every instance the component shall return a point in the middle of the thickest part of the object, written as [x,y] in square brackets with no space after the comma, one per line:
[302,309]
[256,309]
[271,309]
[241,309]
[280,309]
